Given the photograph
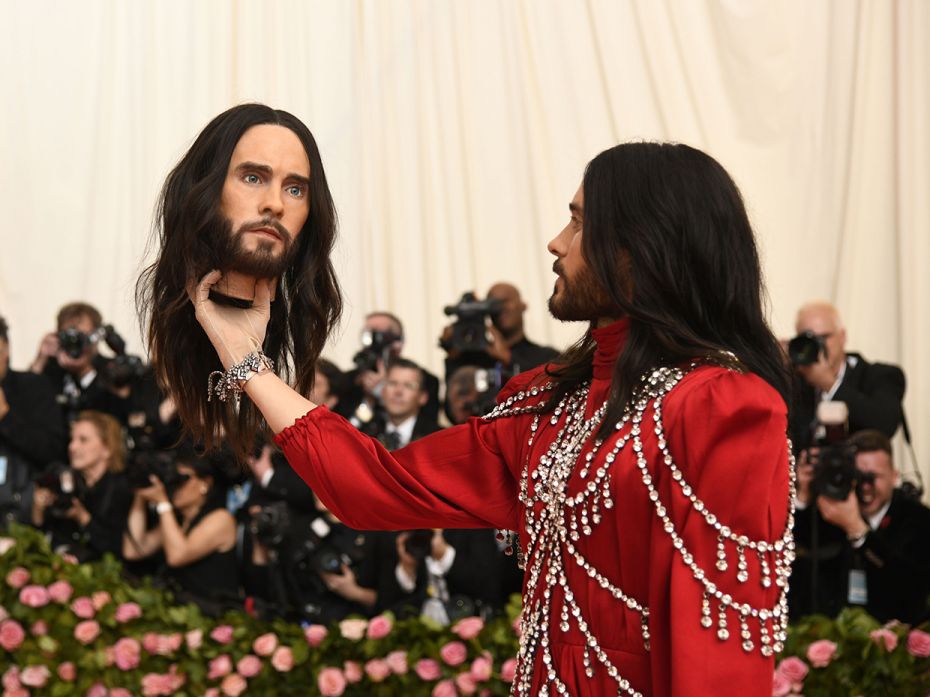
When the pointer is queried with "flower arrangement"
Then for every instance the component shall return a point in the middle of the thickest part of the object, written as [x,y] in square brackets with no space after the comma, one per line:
[81,629]
[853,655]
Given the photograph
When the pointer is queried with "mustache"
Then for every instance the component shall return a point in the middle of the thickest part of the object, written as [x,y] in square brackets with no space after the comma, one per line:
[557,266]
[269,223]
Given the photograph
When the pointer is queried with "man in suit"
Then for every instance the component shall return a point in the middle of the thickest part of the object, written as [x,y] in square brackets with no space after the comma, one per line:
[873,392]
[871,547]
[402,418]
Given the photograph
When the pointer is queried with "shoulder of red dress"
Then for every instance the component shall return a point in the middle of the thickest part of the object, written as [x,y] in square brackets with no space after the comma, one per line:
[522,382]
[727,387]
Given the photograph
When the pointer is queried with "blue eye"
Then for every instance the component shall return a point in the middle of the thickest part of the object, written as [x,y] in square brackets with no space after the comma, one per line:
[251,179]
[296,191]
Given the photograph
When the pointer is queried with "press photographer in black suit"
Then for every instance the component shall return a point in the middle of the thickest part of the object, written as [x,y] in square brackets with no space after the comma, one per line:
[873,392]
[873,545]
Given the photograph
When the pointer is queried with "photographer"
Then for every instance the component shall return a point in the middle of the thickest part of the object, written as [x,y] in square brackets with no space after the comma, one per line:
[32,432]
[382,342]
[826,372]
[69,360]
[500,343]
[871,545]
[401,419]
[194,531]
[84,507]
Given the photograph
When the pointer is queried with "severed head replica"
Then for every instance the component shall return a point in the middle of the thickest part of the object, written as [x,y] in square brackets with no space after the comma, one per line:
[250,199]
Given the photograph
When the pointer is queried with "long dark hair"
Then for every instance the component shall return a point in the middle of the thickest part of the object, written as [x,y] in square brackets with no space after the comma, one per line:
[308,299]
[667,236]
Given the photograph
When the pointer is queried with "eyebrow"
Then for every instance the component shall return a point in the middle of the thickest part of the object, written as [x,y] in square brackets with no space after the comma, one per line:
[266,170]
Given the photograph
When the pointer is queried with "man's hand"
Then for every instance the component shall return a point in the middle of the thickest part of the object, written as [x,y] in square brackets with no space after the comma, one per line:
[843,514]
[343,584]
[438,545]
[78,513]
[819,375]
[234,332]
[369,380]
[48,348]
[498,348]
[4,405]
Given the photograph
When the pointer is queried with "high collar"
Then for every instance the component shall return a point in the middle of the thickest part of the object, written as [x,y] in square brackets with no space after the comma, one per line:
[610,341]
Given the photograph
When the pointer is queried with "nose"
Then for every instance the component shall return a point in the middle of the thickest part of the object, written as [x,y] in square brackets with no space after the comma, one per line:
[272,202]
[556,245]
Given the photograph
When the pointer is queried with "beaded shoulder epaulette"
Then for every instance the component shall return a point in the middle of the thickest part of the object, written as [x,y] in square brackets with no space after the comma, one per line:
[555,520]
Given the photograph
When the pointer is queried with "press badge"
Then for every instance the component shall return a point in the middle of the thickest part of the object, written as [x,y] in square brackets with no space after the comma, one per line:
[858,593]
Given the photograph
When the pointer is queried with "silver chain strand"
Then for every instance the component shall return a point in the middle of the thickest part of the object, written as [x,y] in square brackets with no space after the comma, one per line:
[230,383]
[555,520]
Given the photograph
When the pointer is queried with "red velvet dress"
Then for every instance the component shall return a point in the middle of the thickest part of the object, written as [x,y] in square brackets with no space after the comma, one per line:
[665,576]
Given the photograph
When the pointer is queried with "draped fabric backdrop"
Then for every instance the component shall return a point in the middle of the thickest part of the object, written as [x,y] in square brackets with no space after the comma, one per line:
[454,134]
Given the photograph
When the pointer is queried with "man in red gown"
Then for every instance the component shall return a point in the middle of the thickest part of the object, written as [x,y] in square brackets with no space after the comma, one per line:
[647,472]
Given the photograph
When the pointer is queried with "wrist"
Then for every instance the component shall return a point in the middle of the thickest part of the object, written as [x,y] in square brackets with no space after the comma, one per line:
[854,533]
[163,507]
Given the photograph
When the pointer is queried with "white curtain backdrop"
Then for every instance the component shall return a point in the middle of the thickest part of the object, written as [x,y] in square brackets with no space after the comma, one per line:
[455,132]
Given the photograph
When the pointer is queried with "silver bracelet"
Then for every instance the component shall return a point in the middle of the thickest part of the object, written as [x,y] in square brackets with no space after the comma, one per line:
[232,381]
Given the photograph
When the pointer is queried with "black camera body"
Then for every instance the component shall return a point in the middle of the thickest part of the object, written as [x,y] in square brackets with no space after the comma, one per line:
[66,485]
[806,348]
[75,342]
[488,382]
[419,543]
[469,331]
[125,368]
[376,346]
[835,471]
[145,463]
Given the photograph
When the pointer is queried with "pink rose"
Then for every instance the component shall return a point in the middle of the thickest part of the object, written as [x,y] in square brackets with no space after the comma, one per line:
[468,628]
[377,669]
[518,626]
[249,666]
[509,670]
[466,683]
[60,592]
[283,659]
[12,635]
[379,627]
[265,644]
[353,629]
[820,653]
[481,668]
[150,642]
[353,671]
[233,685]
[918,643]
[220,666]
[86,631]
[446,688]
[67,672]
[10,679]
[222,634]
[6,544]
[427,669]
[169,643]
[315,634]
[35,676]
[3,613]
[127,612]
[97,690]
[18,577]
[158,684]
[120,692]
[397,662]
[194,639]
[781,685]
[39,628]
[100,600]
[34,596]
[454,653]
[793,668]
[18,692]
[331,681]
[127,653]
[83,607]
[212,692]
[885,638]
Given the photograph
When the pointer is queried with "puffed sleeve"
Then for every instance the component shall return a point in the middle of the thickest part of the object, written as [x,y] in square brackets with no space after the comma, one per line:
[726,434]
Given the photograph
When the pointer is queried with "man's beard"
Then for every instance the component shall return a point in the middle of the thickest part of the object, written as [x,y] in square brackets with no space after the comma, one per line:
[262,261]
[582,299]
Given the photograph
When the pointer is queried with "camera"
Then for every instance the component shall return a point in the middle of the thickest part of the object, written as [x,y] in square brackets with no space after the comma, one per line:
[75,342]
[143,464]
[65,484]
[469,332]
[835,471]
[419,543]
[125,368]
[375,346]
[806,348]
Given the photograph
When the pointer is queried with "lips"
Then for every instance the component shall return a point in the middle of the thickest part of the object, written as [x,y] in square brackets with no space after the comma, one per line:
[271,232]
